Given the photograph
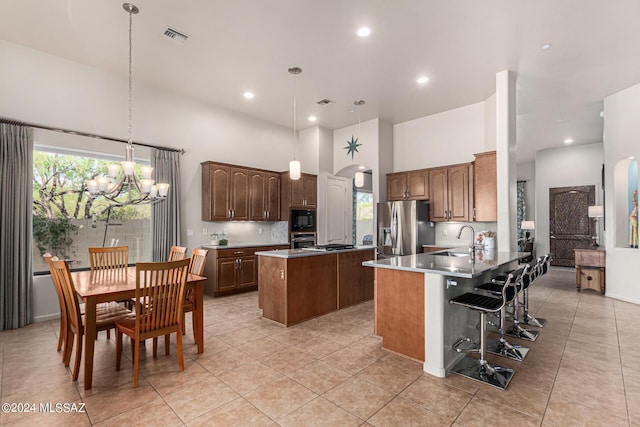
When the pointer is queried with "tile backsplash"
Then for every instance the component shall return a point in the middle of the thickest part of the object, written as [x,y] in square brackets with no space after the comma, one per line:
[248,231]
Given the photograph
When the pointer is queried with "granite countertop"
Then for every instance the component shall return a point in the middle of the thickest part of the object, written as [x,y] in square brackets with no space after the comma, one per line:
[297,253]
[452,266]
[243,245]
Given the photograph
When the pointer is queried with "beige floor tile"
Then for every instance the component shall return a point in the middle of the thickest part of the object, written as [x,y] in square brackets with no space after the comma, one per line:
[318,413]
[319,347]
[288,360]
[169,382]
[436,396]
[49,420]
[562,412]
[238,412]
[224,361]
[349,360]
[102,406]
[241,336]
[280,398]
[402,412]
[359,397]
[204,396]
[319,377]
[248,377]
[260,348]
[519,396]
[388,376]
[480,412]
[157,413]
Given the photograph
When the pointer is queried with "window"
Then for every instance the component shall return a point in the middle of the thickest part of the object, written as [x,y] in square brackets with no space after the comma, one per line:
[364,218]
[66,221]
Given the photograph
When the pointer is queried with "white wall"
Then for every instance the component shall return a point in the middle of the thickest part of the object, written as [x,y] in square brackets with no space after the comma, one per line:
[527,172]
[621,136]
[367,135]
[563,167]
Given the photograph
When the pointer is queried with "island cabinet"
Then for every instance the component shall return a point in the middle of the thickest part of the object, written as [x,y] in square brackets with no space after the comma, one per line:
[486,187]
[297,285]
[233,270]
[299,193]
[450,193]
[232,193]
[411,185]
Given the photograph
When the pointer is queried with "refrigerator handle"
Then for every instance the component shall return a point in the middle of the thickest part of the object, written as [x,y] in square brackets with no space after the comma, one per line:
[394,227]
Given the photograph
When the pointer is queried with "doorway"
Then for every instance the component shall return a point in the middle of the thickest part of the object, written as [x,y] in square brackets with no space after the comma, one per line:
[569,224]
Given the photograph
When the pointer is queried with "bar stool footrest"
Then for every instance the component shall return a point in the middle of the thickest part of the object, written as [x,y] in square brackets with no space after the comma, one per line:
[493,375]
[466,345]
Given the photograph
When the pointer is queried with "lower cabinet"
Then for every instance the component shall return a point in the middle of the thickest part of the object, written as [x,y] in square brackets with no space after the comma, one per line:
[233,270]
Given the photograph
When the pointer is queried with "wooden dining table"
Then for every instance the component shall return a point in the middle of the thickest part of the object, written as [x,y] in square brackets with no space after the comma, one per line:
[99,286]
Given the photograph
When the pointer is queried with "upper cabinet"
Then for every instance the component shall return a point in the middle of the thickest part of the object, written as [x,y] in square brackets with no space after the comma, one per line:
[413,185]
[486,187]
[449,193]
[236,193]
[298,194]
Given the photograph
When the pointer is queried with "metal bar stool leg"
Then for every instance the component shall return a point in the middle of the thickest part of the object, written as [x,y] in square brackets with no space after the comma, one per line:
[528,319]
[516,330]
[503,348]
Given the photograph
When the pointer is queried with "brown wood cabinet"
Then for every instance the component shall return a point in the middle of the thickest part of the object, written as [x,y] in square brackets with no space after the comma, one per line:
[264,195]
[233,270]
[298,194]
[486,187]
[449,193]
[412,185]
[590,269]
[232,192]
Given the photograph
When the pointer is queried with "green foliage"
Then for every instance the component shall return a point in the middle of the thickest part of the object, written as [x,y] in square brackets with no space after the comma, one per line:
[52,234]
[364,206]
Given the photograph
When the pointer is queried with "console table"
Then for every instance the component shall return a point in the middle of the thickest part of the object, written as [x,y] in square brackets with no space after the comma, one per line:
[590,269]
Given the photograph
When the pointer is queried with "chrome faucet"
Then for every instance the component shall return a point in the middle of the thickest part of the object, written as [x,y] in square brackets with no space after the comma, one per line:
[472,246]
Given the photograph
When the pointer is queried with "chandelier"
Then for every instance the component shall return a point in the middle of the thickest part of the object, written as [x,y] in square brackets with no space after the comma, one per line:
[117,181]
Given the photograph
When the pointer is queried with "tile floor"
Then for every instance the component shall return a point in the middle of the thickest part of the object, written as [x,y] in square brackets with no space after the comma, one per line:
[582,370]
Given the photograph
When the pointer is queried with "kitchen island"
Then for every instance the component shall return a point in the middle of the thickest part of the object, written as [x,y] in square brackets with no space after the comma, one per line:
[411,307]
[300,284]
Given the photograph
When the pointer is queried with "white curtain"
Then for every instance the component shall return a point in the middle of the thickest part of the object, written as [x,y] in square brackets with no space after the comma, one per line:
[165,216]
[16,186]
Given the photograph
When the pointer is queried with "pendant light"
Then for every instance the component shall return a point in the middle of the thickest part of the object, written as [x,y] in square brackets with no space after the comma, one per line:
[359,176]
[294,165]
[113,185]
[359,179]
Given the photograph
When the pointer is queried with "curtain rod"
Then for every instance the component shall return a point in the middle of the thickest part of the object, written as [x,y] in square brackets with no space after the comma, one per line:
[90,135]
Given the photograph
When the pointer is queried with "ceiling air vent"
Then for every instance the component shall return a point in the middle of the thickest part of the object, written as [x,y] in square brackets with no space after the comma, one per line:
[325,102]
[175,35]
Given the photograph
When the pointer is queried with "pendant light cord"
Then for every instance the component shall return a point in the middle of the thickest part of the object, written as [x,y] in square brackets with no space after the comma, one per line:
[130,141]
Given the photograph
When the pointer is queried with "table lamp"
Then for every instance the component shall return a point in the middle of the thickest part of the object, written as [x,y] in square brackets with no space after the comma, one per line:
[527,226]
[596,212]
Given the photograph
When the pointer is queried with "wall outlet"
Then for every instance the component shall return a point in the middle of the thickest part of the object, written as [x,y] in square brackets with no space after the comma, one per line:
[444,231]
[260,230]
[205,232]
[189,231]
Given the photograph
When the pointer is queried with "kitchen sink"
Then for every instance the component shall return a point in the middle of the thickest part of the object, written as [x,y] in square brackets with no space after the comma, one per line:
[454,254]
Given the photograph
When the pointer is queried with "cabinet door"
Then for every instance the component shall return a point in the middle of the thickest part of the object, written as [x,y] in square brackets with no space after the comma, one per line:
[257,196]
[486,190]
[458,193]
[438,207]
[310,191]
[296,193]
[418,185]
[396,186]
[226,273]
[247,271]
[219,197]
[272,192]
[239,193]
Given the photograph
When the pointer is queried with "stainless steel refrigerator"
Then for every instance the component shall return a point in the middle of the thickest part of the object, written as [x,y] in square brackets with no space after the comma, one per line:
[403,227]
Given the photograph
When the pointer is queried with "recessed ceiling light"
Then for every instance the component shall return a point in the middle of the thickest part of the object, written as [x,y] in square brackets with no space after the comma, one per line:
[546,46]
[422,80]
[248,95]
[364,31]
[568,140]
[361,168]
[312,118]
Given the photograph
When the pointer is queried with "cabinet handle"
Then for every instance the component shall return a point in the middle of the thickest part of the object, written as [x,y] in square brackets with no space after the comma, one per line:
[268,214]
[240,264]
[238,252]
[236,264]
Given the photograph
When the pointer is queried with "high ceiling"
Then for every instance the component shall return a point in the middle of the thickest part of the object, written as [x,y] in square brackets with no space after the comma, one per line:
[240,45]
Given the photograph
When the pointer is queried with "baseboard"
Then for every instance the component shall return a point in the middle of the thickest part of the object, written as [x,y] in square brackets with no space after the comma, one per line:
[621,298]
[46,317]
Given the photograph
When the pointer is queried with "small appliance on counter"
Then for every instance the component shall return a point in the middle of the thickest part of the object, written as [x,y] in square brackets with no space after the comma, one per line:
[330,247]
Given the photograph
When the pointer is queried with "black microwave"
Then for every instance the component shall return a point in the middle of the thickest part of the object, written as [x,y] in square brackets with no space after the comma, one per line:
[303,220]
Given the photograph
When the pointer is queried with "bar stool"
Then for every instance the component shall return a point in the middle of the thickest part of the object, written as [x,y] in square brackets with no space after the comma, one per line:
[502,347]
[540,269]
[480,369]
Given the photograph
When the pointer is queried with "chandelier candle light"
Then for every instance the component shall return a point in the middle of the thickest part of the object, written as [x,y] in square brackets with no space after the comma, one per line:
[294,165]
[103,185]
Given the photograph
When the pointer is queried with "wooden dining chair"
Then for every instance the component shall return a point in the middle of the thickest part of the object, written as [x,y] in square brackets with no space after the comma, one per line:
[160,293]
[196,266]
[108,258]
[75,323]
[177,253]
[62,335]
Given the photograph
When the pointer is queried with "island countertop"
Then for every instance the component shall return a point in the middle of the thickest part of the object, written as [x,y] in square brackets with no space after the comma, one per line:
[454,266]
[297,253]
